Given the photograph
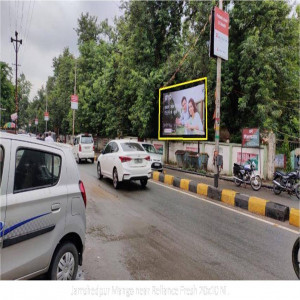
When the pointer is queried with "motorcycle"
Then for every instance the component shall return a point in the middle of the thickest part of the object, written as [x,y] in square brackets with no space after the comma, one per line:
[247,174]
[287,183]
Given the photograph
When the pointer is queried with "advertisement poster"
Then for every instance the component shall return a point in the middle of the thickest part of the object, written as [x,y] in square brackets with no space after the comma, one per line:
[219,36]
[183,109]
[244,158]
[280,161]
[46,116]
[74,101]
[250,137]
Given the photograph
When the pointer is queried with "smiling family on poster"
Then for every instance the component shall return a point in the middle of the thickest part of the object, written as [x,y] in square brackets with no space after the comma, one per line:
[190,118]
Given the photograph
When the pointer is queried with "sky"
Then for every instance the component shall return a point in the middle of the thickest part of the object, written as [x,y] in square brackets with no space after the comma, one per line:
[46,28]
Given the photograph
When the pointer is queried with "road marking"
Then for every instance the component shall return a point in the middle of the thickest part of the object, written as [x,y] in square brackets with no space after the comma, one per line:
[228,208]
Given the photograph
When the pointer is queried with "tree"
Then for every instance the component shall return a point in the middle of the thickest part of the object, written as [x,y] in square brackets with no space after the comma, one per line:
[24,87]
[7,101]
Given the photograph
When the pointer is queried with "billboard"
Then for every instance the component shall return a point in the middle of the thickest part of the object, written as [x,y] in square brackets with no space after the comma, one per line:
[183,111]
[250,137]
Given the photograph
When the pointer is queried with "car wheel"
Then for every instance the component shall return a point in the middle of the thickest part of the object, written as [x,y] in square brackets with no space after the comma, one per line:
[144,182]
[92,160]
[78,160]
[99,174]
[115,179]
[64,263]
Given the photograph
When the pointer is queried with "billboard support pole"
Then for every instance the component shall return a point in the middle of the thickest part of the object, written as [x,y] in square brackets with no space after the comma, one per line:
[217,120]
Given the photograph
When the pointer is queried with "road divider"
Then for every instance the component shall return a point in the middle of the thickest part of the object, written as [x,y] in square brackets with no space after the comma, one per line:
[254,205]
[294,217]
[228,196]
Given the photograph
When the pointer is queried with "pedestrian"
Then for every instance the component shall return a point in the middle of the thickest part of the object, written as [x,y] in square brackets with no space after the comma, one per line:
[49,138]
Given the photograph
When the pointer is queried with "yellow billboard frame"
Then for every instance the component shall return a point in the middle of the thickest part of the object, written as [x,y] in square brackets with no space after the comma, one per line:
[183,138]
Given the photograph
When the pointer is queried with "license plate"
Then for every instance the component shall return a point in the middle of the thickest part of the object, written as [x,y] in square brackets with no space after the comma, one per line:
[156,164]
[138,160]
[86,148]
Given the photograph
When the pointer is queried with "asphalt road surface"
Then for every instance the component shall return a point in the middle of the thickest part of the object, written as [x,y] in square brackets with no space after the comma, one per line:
[163,233]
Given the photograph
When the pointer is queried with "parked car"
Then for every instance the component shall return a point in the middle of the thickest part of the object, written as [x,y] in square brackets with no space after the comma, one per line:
[155,158]
[124,160]
[42,209]
[84,148]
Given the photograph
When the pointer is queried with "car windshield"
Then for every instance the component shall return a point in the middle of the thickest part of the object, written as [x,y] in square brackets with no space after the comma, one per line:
[131,147]
[87,140]
[149,148]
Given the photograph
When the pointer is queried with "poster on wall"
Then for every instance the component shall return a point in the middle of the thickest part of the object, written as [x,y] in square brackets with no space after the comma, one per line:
[244,158]
[183,111]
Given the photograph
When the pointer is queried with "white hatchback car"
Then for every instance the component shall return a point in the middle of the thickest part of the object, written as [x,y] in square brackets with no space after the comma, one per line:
[42,209]
[155,158]
[124,160]
[84,147]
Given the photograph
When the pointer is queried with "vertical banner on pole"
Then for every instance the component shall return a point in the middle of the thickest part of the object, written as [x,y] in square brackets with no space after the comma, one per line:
[46,116]
[74,101]
[36,121]
[219,34]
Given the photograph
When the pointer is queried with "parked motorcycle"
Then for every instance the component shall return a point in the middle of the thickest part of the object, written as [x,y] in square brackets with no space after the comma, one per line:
[283,182]
[247,174]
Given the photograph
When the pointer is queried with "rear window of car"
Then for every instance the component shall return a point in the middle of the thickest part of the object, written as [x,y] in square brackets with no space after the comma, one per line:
[149,148]
[87,140]
[131,147]
[36,169]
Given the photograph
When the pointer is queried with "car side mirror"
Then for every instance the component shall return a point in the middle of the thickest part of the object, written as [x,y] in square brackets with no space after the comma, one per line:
[102,152]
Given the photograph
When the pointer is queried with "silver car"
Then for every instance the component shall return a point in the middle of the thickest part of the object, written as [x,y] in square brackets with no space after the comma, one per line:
[42,209]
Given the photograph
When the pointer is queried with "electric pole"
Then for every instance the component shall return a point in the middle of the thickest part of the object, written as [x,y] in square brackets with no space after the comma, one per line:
[217,120]
[16,91]
[74,109]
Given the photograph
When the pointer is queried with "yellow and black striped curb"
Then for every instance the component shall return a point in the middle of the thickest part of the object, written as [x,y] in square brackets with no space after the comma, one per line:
[255,205]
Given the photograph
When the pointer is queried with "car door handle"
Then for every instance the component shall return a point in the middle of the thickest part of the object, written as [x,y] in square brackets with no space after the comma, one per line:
[55,207]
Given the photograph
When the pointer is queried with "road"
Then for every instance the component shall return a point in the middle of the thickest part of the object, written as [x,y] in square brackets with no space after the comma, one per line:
[162,233]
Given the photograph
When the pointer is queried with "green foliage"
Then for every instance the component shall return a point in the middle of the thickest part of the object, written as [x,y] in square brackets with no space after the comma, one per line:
[121,67]
[7,100]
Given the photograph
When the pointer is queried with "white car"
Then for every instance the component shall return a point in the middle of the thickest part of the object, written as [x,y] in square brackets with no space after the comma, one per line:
[155,158]
[124,160]
[84,148]
[42,209]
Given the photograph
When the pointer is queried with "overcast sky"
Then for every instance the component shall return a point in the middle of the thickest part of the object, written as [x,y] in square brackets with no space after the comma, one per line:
[46,28]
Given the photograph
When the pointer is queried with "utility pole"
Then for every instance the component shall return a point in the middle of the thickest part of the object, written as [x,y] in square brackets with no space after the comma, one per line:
[46,110]
[217,119]
[74,109]
[16,91]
